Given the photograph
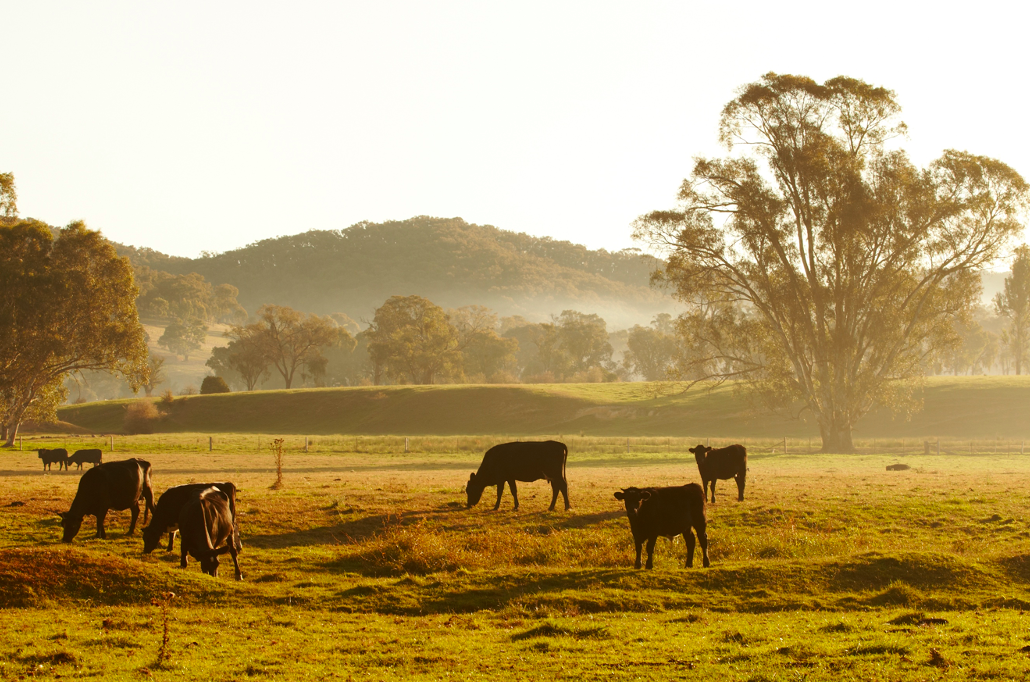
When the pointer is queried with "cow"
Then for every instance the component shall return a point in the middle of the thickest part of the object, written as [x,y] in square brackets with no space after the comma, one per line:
[205,522]
[93,456]
[112,485]
[529,461]
[57,456]
[169,507]
[667,512]
[721,463]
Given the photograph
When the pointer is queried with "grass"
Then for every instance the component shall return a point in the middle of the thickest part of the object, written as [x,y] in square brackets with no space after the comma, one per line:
[369,565]
[954,407]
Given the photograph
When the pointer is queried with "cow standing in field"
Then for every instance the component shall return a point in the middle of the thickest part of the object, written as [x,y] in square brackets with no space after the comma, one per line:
[169,508]
[511,462]
[93,456]
[667,512]
[721,463]
[206,522]
[114,485]
[57,456]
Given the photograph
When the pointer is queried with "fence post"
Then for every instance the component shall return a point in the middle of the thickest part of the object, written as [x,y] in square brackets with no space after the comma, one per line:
[305,443]
[926,447]
[405,445]
[627,446]
[112,443]
[19,442]
[210,443]
[784,445]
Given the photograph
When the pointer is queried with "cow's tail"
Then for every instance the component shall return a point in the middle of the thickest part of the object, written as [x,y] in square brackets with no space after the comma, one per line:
[148,490]
[564,459]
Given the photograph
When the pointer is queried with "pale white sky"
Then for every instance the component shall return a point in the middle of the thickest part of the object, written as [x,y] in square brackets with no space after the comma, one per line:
[193,126]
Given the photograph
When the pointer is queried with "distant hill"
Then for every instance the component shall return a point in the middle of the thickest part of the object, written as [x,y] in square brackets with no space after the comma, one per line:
[446,260]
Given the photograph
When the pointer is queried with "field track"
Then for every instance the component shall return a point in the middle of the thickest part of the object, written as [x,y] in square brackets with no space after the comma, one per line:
[953,407]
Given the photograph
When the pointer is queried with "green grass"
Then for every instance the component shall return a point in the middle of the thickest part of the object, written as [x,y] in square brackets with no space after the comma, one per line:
[368,565]
[954,407]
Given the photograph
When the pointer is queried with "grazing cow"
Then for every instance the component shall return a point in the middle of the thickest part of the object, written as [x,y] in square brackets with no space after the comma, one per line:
[667,512]
[722,463]
[113,485]
[169,507]
[93,456]
[57,456]
[510,462]
[206,522]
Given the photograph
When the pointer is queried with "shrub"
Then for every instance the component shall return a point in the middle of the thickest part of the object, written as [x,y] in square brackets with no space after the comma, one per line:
[140,417]
[213,385]
[503,377]
[167,398]
[189,390]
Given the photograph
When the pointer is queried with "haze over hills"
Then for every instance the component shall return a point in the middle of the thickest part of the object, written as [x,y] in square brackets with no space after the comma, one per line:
[449,261]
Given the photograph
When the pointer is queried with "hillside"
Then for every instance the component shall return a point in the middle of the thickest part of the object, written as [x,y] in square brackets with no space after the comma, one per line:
[971,407]
[449,261]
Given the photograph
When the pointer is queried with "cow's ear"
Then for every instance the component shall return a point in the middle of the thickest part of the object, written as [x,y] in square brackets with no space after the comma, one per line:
[472,477]
[619,495]
[645,494]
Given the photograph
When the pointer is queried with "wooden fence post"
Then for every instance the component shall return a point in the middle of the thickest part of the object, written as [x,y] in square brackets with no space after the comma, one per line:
[305,443]
[405,445]
[210,443]
[112,443]
[784,445]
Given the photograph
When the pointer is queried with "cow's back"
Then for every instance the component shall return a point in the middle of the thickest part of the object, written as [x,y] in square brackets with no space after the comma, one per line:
[727,462]
[114,485]
[672,510]
[527,461]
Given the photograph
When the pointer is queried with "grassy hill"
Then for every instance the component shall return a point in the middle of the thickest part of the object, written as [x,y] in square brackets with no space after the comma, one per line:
[964,407]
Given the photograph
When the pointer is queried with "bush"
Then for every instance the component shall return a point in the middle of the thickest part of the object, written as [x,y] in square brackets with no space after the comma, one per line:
[189,390]
[503,377]
[167,398]
[140,417]
[213,385]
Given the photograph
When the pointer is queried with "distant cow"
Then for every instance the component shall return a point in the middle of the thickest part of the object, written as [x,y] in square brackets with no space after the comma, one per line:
[510,462]
[205,523]
[92,456]
[721,464]
[666,512]
[114,485]
[58,456]
[169,507]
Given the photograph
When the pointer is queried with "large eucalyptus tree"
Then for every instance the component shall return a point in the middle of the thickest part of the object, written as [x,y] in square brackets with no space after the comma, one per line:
[820,266]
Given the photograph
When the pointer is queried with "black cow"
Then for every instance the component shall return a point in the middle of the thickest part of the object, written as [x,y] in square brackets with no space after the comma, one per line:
[667,512]
[205,522]
[93,456]
[114,485]
[510,462]
[57,456]
[169,507]
[721,463]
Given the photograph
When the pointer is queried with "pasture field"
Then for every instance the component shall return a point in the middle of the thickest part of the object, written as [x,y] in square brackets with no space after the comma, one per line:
[953,407]
[368,566]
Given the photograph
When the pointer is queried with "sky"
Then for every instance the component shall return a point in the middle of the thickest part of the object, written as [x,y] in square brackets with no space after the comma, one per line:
[200,126]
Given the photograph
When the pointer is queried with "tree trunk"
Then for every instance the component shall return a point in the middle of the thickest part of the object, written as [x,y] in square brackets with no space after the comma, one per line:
[836,437]
[12,434]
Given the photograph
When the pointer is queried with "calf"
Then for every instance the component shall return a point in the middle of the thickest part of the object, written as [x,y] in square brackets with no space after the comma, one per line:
[114,485]
[205,523]
[721,463]
[667,512]
[169,507]
[57,456]
[530,461]
[93,456]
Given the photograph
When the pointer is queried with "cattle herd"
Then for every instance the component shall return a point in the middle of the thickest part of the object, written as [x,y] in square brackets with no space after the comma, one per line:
[204,514]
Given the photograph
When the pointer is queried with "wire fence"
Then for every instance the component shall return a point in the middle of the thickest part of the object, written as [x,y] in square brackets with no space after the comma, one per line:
[463,445]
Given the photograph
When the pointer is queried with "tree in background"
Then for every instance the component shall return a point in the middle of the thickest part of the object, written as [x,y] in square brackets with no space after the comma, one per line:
[484,354]
[289,340]
[8,197]
[67,304]
[652,350]
[182,337]
[212,384]
[242,360]
[820,267]
[187,297]
[583,339]
[1014,304]
[412,339]
[157,374]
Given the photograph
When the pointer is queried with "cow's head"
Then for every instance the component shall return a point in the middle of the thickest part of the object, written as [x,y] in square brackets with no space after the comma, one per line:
[151,537]
[474,490]
[209,565]
[632,498]
[71,525]
[700,453]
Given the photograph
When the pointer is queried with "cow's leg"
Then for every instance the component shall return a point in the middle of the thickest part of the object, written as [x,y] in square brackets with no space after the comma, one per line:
[500,491]
[713,489]
[183,562]
[741,479]
[565,494]
[554,496]
[639,545]
[235,559]
[650,551]
[688,536]
[134,510]
[702,539]
[100,525]
[171,539]
[514,493]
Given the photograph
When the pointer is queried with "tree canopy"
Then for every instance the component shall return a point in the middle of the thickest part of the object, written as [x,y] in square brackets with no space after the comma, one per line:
[1013,303]
[67,304]
[820,266]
